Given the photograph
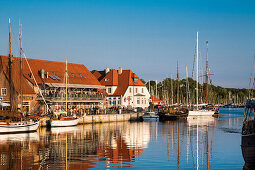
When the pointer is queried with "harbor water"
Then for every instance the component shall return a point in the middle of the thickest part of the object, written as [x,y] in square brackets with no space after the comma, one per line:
[195,143]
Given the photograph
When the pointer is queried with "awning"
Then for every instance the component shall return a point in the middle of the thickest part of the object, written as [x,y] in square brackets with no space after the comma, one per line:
[74,85]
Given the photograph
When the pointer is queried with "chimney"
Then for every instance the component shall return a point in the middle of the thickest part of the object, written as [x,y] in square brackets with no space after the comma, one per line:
[42,73]
[107,70]
[120,71]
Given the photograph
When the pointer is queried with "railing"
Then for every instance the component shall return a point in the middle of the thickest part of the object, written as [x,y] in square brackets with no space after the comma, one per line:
[61,97]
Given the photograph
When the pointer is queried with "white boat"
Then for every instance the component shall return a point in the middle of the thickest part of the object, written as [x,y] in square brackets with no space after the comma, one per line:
[198,111]
[150,116]
[19,127]
[64,123]
[201,112]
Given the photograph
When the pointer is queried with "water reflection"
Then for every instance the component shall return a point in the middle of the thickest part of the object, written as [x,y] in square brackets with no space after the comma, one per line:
[203,143]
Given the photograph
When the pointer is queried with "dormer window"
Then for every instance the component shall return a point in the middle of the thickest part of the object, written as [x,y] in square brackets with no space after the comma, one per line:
[106,79]
[73,75]
[135,80]
[81,76]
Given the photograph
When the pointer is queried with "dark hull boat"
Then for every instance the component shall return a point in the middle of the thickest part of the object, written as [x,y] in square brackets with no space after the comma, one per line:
[248,150]
[248,135]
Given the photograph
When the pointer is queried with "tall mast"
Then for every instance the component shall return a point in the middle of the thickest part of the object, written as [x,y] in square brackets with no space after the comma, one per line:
[66,85]
[10,70]
[156,89]
[178,86]
[197,72]
[150,87]
[172,91]
[207,74]
[21,70]
[187,86]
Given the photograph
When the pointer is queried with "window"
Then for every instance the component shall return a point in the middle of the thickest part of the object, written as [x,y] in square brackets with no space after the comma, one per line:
[135,80]
[109,90]
[3,91]
[73,75]
[138,101]
[81,76]
[136,90]
[106,79]
[142,90]
[130,90]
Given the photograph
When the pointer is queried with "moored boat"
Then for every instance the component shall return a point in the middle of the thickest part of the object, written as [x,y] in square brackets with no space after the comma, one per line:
[248,135]
[149,116]
[19,127]
[64,122]
[12,120]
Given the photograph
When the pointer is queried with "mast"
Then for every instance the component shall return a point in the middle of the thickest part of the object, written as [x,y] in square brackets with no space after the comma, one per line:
[187,86]
[172,91]
[150,87]
[66,86]
[10,70]
[207,74]
[156,89]
[178,86]
[21,70]
[197,72]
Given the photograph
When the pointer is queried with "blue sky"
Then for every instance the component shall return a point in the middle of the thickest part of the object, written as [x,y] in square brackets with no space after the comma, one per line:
[147,36]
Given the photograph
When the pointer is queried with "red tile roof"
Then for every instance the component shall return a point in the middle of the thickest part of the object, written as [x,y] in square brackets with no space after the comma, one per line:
[122,81]
[154,99]
[15,75]
[78,73]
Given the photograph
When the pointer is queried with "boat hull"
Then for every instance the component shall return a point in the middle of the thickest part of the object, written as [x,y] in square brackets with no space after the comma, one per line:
[150,118]
[201,113]
[248,150]
[64,123]
[19,128]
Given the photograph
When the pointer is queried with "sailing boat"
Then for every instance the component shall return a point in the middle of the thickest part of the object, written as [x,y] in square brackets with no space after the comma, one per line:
[63,121]
[197,111]
[11,125]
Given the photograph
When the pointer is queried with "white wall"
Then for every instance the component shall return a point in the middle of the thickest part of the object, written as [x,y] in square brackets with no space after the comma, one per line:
[144,100]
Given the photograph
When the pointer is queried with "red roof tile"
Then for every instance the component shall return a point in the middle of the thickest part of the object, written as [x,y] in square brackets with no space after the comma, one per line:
[78,73]
[122,81]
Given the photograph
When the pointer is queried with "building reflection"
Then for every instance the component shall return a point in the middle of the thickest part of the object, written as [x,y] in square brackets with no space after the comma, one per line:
[81,147]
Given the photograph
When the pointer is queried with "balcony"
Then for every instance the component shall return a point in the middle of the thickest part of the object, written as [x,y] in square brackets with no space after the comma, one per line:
[56,97]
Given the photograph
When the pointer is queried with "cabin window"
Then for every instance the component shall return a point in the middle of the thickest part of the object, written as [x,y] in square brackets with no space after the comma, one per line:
[3,91]
[135,80]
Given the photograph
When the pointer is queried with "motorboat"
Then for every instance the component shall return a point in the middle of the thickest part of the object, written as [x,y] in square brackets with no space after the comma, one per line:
[149,116]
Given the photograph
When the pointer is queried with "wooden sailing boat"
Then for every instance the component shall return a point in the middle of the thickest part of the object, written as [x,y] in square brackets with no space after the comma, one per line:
[62,121]
[9,125]
[198,111]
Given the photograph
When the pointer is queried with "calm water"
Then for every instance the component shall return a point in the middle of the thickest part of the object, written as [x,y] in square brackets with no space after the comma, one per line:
[206,143]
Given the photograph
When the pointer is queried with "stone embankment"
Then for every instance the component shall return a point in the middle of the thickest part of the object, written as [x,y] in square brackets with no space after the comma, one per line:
[88,119]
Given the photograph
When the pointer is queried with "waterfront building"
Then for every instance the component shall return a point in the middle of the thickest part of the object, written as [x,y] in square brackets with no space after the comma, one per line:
[124,88]
[44,86]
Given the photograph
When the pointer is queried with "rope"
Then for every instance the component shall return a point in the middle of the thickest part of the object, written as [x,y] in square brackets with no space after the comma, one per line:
[36,81]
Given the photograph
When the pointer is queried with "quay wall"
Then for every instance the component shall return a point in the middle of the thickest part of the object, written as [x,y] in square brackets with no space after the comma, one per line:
[89,119]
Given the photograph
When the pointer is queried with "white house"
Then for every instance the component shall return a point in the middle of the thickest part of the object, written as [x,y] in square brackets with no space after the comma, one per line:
[124,88]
